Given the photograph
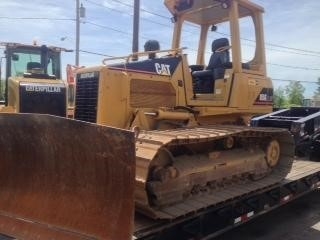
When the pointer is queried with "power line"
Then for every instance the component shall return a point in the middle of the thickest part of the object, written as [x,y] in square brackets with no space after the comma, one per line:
[126,33]
[224,34]
[273,79]
[291,80]
[117,30]
[162,16]
[275,45]
[130,34]
[294,67]
[95,53]
[123,12]
[142,9]
[131,6]
[106,27]
[37,18]
[301,54]
[290,48]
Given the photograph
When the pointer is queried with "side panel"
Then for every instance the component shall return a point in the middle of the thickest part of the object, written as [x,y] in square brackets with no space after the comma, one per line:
[151,94]
[240,93]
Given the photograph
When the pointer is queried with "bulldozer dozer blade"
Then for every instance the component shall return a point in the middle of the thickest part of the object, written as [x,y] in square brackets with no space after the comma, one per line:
[65,179]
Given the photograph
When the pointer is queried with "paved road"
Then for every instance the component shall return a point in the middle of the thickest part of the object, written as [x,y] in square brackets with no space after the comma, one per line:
[299,220]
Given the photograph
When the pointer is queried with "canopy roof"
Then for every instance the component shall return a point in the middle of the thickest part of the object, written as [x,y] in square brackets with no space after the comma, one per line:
[208,11]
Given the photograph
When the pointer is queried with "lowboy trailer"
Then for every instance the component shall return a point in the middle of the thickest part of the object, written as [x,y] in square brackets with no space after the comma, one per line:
[232,207]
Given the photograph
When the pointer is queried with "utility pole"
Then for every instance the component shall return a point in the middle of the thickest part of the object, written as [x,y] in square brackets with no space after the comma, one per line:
[136,19]
[80,13]
[77,31]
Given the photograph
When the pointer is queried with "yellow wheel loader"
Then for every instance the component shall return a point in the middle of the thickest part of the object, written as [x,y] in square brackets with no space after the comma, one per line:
[191,121]
[33,82]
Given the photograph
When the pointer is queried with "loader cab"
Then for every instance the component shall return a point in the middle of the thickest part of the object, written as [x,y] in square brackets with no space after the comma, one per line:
[223,73]
[32,79]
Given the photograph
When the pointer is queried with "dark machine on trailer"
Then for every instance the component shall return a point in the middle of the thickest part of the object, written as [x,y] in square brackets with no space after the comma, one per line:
[304,124]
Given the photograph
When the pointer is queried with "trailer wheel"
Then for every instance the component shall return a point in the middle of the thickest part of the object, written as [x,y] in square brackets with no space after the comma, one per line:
[273,153]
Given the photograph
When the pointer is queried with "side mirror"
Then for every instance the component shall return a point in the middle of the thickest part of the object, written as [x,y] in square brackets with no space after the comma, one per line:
[214,28]
[15,57]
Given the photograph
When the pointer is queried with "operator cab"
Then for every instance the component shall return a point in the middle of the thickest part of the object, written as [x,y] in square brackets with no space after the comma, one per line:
[219,57]
[32,61]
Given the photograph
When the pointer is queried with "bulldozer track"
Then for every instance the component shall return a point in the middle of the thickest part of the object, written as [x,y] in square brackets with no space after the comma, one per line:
[149,143]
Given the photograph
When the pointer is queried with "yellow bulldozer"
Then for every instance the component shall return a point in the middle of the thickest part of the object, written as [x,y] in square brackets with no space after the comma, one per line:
[148,135]
[190,121]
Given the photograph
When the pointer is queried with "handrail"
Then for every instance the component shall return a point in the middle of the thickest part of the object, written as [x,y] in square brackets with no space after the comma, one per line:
[127,58]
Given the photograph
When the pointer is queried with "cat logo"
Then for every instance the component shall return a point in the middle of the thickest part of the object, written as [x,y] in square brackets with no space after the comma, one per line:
[162,69]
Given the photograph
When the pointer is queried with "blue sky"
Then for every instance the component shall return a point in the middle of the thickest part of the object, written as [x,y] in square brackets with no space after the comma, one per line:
[107,29]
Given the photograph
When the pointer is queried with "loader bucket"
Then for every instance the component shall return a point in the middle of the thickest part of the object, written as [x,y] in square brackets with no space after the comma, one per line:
[65,179]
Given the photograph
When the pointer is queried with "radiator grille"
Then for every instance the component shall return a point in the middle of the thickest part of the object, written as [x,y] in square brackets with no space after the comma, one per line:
[43,98]
[87,97]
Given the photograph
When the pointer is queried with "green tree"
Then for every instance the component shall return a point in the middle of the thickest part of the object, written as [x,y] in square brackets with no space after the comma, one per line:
[2,82]
[295,92]
[279,98]
[317,92]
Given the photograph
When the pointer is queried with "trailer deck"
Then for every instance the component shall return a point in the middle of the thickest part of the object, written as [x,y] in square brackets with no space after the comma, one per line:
[232,206]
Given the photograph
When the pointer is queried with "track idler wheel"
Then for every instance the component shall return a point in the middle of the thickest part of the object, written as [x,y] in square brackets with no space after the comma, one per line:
[228,143]
[273,153]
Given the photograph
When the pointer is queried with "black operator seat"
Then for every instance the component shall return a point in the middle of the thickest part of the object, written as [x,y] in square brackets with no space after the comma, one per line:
[152,45]
[32,65]
[219,60]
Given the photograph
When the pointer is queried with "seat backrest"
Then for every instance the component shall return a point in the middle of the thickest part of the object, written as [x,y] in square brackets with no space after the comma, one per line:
[151,45]
[31,65]
[220,54]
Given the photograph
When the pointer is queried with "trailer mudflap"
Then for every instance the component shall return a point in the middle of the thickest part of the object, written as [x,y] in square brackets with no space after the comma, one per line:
[65,179]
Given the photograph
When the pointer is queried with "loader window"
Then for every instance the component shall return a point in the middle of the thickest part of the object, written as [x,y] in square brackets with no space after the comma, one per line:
[30,62]
[20,66]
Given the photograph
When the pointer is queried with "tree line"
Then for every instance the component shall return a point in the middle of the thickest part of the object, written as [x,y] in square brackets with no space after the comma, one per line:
[2,86]
[292,95]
